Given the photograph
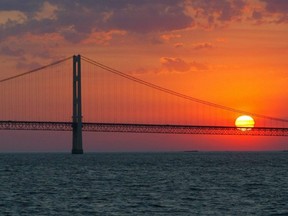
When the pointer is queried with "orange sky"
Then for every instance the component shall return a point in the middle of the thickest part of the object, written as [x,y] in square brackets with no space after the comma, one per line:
[229,52]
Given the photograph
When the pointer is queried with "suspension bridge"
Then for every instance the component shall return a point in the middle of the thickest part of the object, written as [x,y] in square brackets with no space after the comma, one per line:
[79,94]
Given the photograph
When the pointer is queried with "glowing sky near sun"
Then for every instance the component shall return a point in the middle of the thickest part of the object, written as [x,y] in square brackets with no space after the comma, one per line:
[229,52]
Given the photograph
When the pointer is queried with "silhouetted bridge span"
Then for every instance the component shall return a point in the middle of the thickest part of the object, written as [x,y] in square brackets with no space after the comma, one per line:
[144,128]
[46,98]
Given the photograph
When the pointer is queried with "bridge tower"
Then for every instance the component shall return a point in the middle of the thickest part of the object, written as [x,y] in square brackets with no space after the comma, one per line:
[77,107]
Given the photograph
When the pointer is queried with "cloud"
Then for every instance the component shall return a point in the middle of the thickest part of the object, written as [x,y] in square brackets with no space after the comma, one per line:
[141,17]
[159,21]
[269,11]
[199,46]
[15,16]
[102,38]
[257,15]
[25,6]
[213,13]
[276,6]
[174,64]
[48,11]
[178,45]
[158,16]
[32,47]
[168,37]
[6,50]
[179,65]
[278,9]
[75,20]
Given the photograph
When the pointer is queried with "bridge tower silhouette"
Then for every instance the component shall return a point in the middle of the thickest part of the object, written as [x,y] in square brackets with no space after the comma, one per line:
[77,107]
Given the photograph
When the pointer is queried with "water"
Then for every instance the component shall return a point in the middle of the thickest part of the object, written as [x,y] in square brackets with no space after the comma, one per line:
[144,184]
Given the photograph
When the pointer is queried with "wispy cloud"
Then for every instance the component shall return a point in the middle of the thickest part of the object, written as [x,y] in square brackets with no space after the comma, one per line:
[204,45]
[172,64]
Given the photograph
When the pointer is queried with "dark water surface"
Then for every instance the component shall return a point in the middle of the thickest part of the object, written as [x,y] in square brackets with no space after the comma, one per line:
[243,183]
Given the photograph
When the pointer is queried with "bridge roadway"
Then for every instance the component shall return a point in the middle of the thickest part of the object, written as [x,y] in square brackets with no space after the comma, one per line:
[143,128]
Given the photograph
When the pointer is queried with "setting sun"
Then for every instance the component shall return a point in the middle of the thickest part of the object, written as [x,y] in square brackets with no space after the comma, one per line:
[244,122]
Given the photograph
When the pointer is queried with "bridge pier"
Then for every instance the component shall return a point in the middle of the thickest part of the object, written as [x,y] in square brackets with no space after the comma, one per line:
[77,107]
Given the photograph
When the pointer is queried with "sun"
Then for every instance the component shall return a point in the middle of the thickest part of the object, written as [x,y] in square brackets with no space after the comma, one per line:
[244,122]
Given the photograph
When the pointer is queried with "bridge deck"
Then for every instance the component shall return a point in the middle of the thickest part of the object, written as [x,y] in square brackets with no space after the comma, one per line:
[143,128]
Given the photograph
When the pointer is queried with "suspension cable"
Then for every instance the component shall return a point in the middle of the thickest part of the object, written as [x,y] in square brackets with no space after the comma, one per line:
[35,70]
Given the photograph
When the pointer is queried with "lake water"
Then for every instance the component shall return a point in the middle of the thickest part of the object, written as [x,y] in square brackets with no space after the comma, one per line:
[200,183]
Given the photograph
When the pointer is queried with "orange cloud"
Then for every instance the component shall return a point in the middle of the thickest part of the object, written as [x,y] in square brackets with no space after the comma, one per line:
[179,65]
[102,38]
[177,45]
[174,64]
[168,37]
[204,45]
